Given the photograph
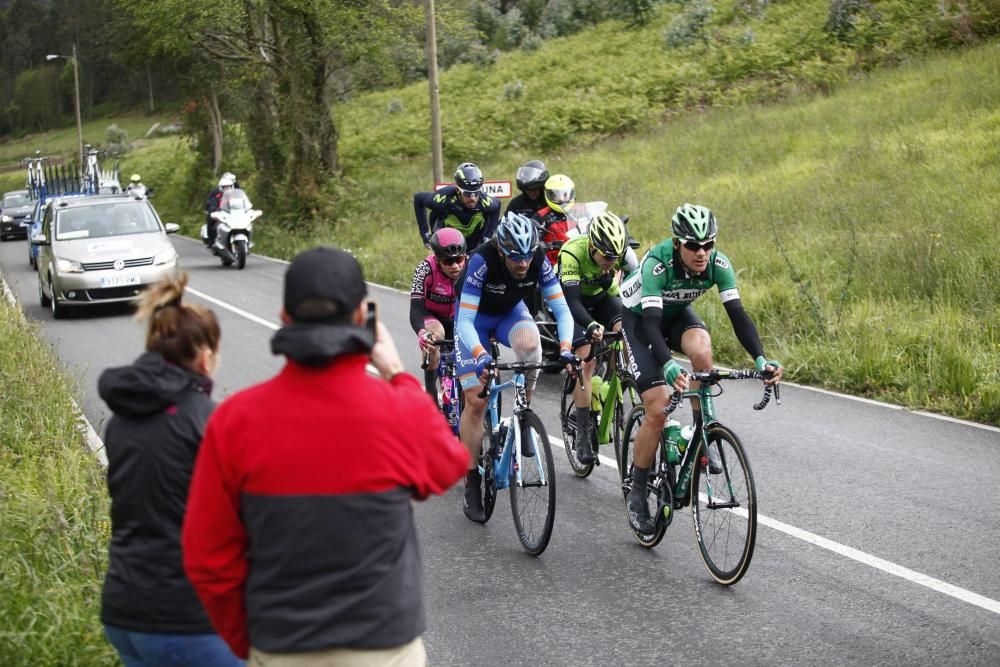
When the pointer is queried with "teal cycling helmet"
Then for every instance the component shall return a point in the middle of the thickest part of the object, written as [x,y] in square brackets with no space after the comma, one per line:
[516,235]
[694,223]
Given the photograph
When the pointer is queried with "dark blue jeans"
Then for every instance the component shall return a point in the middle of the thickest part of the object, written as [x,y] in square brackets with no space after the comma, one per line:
[142,649]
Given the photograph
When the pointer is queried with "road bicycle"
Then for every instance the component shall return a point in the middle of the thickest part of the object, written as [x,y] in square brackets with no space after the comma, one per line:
[450,396]
[724,504]
[613,385]
[516,455]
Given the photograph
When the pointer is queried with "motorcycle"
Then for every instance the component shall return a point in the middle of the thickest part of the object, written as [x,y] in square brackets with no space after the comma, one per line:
[233,228]
[579,216]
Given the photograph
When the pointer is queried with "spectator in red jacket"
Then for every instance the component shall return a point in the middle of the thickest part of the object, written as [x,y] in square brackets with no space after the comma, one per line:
[299,536]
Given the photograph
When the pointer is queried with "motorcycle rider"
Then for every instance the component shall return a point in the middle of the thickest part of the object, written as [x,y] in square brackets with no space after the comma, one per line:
[462,206]
[433,296]
[560,195]
[136,185]
[212,203]
[531,177]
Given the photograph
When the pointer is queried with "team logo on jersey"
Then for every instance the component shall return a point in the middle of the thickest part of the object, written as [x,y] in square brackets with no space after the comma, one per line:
[496,288]
[721,263]
[659,268]
[682,295]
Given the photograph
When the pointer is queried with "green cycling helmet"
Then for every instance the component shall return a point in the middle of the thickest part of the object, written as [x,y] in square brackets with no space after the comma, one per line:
[694,223]
[607,234]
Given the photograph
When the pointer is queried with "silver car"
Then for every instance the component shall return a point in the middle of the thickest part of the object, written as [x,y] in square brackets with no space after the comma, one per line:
[100,249]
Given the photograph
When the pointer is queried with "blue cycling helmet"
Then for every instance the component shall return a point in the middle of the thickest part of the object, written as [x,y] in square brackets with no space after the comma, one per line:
[516,235]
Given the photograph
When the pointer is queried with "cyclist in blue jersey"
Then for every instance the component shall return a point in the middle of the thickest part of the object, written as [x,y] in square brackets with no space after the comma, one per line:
[499,277]
[462,206]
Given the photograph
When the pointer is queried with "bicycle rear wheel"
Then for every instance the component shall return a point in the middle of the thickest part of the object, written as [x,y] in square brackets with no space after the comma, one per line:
[533,503]
[725,508]
[632,424]
[568,419]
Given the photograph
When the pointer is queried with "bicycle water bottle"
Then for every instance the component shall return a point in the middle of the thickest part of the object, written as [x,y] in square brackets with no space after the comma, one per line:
[684,438]
[671,436]
[598,391]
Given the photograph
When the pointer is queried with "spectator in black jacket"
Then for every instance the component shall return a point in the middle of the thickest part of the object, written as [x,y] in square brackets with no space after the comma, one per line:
[161,402]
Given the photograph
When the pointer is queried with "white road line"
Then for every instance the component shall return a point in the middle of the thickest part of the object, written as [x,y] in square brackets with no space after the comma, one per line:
[239,311]
[854,554]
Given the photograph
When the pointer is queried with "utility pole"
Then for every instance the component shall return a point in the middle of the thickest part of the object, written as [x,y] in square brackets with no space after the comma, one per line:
[432,81]
[76,100]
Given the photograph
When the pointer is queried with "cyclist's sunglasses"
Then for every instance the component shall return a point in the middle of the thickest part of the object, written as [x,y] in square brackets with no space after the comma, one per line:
[610,258]
[694,246]
[470,193]
[520,257]
[452,261]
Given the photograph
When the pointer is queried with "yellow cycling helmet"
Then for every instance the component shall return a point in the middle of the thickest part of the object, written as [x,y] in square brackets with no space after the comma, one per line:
[560,193]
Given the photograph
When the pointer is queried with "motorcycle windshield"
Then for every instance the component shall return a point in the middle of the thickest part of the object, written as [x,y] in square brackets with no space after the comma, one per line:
[235,200]
[581,213]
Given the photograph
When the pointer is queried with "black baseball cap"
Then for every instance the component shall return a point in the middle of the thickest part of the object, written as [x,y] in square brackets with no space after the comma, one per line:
[323,274]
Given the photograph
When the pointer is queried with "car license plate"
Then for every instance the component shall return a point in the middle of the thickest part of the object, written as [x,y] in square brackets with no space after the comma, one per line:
[119,281]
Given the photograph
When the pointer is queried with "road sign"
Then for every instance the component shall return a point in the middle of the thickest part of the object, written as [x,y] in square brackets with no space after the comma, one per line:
[498,189]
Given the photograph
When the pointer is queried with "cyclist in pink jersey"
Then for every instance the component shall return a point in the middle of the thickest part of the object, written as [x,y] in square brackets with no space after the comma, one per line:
[433,296]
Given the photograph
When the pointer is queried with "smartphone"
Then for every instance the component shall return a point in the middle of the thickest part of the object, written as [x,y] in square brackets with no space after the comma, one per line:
[371,317]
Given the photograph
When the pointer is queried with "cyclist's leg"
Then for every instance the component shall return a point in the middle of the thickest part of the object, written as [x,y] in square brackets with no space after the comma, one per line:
[471,422]
[518,331]
[688,333]
[655,396]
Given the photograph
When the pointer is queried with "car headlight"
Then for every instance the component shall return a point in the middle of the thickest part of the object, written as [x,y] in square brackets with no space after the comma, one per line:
[68,266]
[6,218]
[167,256]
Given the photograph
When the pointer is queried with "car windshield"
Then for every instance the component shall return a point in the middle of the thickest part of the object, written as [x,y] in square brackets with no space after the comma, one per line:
[235,200]
[100,220]
[15,200]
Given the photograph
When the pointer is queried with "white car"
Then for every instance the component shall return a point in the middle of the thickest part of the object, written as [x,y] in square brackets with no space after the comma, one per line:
[100,249]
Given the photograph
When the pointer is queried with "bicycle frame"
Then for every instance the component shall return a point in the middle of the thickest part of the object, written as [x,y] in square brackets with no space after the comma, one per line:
[615,392]
[510,448]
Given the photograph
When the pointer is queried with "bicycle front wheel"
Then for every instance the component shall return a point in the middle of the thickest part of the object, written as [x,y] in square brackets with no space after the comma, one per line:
[568,418]
[725,508]
[533,499]
[489,471]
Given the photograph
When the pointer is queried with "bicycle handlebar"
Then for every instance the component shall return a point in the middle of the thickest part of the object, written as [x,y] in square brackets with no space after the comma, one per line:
[607,338]
[521,366]
[715,376]
[444,343]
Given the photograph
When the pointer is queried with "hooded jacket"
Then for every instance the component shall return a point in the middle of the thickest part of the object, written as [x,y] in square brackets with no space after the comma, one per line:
[299,534]
[160,411]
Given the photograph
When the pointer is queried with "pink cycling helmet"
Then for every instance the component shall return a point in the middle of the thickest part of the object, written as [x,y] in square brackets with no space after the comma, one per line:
[447,242]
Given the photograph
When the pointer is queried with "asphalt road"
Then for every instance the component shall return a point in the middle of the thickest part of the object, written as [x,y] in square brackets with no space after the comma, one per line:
[878,544]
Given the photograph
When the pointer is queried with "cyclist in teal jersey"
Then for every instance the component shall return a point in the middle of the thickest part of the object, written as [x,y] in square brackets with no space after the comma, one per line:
[658,316]
[588,268]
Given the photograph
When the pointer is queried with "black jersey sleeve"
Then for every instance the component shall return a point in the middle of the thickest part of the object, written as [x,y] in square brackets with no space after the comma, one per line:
[421,202]
[652,319]
[418,296]
[744,328]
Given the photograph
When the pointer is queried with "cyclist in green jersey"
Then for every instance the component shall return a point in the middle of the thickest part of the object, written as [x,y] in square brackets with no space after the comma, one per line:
[658,316]
[588,270]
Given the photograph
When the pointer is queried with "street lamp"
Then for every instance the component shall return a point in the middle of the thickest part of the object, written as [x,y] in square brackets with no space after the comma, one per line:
[76,98]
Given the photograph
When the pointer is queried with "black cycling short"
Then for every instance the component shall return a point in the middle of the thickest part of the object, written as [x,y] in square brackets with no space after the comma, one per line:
[606,311]
[639,357]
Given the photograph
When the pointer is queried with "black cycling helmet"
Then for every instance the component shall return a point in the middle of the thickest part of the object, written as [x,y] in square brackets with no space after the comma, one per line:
[532,175]
[447,242]
[468,177]
[694,223]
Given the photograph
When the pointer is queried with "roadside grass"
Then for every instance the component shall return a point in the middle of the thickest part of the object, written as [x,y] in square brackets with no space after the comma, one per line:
[862,225]
[53,527]
[63,141]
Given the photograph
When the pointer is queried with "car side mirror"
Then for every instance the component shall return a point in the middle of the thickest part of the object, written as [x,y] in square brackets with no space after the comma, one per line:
[39,239]
[172,227]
